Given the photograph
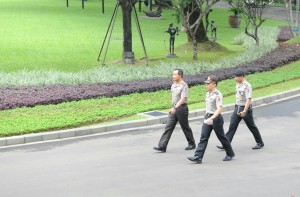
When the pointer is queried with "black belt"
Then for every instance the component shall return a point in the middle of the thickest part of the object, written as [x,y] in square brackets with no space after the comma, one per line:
[243,105]
[208,115]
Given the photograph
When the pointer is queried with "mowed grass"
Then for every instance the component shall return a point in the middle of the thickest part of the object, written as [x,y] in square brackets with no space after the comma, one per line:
[93,111]
[44,34]
[294,40]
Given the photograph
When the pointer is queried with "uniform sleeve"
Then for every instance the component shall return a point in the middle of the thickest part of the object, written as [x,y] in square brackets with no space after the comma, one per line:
[248,91]
[184,92]
[172,88]
[219,101]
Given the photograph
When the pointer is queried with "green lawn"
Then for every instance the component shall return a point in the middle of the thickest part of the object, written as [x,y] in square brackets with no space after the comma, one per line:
[294,40]
[44,34]
[72,114]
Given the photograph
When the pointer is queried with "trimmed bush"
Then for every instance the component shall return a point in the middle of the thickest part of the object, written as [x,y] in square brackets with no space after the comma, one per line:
[285,34]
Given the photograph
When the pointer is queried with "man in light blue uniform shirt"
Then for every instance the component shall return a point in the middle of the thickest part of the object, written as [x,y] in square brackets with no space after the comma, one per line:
[213,120]
[243,110]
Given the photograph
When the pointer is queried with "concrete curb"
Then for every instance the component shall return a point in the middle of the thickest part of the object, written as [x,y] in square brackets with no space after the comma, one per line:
[127,126]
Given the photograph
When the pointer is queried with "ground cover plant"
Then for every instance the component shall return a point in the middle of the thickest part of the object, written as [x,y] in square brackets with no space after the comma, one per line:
[13,97]
[133,72]
[79,113]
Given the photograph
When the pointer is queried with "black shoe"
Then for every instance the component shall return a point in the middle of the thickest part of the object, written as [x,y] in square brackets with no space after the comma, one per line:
[190,147]
[220,147]
[258,146]
[196,159]
[163,150]
[228,158]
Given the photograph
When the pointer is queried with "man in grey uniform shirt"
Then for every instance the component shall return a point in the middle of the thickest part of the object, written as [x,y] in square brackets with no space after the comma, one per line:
[213,120]
[178,113]
[243,110]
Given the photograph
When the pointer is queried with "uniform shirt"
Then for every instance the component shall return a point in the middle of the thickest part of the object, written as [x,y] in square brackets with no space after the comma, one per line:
[179,91]
[243,92]
[213,100]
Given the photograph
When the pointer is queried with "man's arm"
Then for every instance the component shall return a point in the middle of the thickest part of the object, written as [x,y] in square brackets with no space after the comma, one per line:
[248,92]
[180,102]
[248,102]
[217,112]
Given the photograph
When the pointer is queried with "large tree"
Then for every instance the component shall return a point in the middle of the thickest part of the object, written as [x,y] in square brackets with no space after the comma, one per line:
[253,16]
[192,12]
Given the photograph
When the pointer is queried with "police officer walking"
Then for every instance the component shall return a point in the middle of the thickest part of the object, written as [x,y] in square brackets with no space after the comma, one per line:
[243,110]
[178,113]
[213,120]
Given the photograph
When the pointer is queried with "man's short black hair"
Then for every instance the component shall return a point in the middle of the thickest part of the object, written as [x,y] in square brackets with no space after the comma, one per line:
[180,72]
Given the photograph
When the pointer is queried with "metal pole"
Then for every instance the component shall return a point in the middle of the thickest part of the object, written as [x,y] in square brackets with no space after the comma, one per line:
[67,3]
[82,4]
[117,5]
[140,33]
[102,6]
[113,23]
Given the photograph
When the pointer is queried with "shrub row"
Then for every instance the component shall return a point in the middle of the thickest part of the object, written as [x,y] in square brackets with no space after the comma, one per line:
[14,97]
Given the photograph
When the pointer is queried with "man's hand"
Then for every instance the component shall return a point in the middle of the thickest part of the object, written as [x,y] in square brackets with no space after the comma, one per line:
[242,114]
[172,111]
[209,121]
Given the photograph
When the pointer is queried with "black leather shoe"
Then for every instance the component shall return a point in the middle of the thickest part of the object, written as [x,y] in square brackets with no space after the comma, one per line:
[163,150]
[228,158]
[190,147]
[220,147]
[258,146]
[196,159]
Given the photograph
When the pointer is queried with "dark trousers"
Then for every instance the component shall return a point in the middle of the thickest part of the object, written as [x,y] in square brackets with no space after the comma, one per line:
[236,119]
[217,126]
[180,116]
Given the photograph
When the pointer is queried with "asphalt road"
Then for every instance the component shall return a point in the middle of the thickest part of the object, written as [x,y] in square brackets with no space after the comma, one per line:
[124,164]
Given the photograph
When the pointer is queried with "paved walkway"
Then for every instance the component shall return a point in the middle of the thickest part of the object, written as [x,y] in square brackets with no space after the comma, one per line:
[124,164]
[130,125]
[277,13]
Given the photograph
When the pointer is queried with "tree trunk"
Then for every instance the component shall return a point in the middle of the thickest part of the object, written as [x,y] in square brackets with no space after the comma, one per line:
[127,33]
[256,36]
[201,32]
[195,47]
[253,35]
[128,54]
